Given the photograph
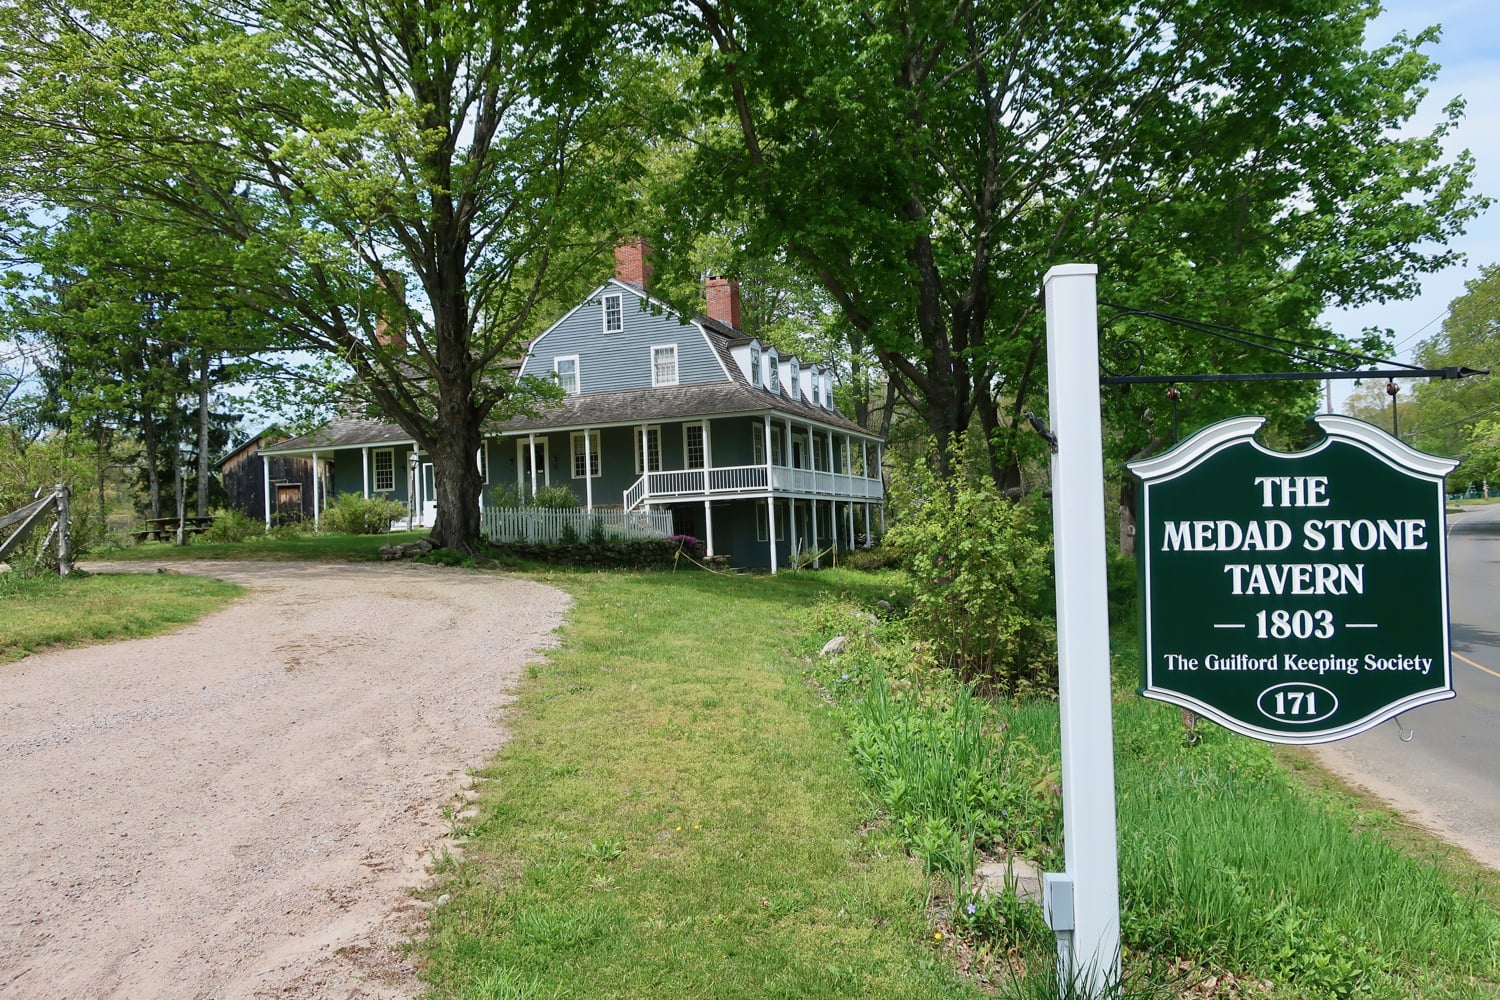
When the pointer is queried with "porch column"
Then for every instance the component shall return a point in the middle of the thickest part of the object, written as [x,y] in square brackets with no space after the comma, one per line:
[849,516]
[768,453]
[708,528]
[792,532]
[771,530]
[864,460]
[831,469]
[817,562]
[316,477]
[787,438]
[531,444]
[869,534]
[588,471]
[707,455]
[265,473]
[364,468]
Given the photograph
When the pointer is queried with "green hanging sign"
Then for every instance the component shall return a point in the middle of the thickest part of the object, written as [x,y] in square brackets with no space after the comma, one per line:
[1295,598]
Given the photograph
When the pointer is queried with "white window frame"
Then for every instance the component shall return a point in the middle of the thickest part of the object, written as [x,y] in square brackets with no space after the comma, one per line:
[375,470]
[775,375]
[575,459]
[653,431]
[816,446]
[577,376]
[614,309]
[482,462]
[656,380]
[755,378]
[794,370]
[687,446]
[757,441]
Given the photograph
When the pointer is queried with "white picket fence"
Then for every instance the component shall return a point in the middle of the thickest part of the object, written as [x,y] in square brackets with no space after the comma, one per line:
[548,525]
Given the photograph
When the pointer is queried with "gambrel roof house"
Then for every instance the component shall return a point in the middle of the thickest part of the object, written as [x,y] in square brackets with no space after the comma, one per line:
[741,443]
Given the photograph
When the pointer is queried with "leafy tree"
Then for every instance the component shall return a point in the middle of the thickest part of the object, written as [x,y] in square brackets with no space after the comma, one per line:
[408,186]
[1457,417]
[927,162]
[122,344]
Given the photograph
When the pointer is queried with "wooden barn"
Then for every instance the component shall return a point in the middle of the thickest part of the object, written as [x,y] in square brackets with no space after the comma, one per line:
[245,476]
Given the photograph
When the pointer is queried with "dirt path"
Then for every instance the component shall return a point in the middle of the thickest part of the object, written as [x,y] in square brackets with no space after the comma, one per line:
[239,809]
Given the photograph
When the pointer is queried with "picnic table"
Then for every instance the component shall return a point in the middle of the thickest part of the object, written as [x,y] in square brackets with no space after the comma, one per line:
[164,529]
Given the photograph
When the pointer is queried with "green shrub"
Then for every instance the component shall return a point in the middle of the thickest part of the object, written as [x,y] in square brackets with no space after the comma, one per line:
[559,497]
[289,526]
[233,526]
[981,566]
[596,532]
[868,560]
[352,514]
[504,496]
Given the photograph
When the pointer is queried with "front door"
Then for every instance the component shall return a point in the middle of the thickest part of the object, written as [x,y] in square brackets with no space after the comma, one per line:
[523,465]
[429,496]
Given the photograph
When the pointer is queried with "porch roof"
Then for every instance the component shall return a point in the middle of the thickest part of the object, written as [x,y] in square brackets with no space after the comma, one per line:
[680,402]
[341,434]
[604,409]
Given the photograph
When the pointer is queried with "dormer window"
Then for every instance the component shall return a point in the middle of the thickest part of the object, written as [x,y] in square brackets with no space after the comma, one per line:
[664,365]
[566,370]
[817,387]
[755,366]
[775,375]
[614,314]
[794,384]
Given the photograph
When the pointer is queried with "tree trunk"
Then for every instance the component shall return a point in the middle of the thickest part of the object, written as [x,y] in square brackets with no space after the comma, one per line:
[203,481]
[150,442]
[456,435]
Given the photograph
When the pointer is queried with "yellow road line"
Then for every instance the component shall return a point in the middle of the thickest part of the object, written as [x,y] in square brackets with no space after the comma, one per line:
[1476,666]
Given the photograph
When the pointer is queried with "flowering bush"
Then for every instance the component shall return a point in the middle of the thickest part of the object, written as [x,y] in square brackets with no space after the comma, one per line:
[982,569]
[688,544]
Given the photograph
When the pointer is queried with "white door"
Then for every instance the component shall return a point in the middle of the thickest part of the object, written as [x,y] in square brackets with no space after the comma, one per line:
[523,466]
[428,497]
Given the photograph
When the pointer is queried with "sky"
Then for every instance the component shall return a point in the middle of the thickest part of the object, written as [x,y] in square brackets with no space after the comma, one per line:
[1469,54]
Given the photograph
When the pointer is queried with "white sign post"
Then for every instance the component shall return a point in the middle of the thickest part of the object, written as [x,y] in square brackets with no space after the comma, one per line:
[1083,903]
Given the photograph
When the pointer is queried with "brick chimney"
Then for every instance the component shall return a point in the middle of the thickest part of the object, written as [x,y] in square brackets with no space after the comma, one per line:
[632,263]
[388,333]
[723,296]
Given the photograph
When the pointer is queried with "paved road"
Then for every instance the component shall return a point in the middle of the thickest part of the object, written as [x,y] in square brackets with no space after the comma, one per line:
[1448,776]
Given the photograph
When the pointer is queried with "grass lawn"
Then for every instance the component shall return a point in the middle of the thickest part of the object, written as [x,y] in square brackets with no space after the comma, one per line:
[676,816]
[302,546]
[83,608]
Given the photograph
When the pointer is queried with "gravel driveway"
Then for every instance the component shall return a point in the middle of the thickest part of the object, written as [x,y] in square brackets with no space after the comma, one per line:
[239,809]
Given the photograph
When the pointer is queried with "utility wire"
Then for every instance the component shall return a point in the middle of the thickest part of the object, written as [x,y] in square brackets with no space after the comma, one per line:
[1294,349]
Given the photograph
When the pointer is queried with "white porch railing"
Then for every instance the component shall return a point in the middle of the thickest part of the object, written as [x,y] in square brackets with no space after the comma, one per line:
[663,487]
[549,525]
